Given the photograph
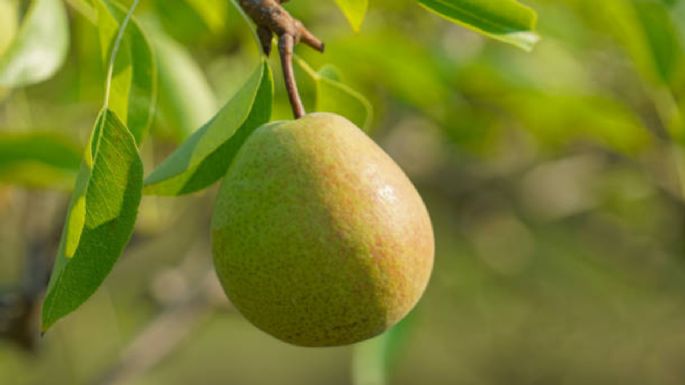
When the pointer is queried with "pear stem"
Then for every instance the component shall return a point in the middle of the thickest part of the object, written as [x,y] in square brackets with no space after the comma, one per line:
[272,19]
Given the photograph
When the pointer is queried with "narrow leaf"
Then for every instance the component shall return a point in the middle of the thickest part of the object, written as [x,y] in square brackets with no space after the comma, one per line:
[40,46]
[134,79]
[354,11]
[334,96]
[661,38]
[38,159]
[205,156]
[505,20]
[186,100]
[100,220]
[331,72]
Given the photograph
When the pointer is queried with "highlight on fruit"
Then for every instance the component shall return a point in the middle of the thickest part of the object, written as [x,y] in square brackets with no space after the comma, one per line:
[319,238]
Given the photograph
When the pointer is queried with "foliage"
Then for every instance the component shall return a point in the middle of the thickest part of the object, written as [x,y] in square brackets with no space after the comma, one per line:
[205,156]
[101,216]
[563,165]
[39,47]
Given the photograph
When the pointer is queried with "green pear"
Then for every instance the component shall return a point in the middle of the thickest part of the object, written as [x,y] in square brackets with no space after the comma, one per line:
[319,238]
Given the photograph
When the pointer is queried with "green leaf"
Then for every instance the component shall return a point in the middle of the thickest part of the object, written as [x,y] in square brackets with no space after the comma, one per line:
[334,96]
[186,100]
[396,63]
[100,220]
[505,20]
[661,38]
[134,79]
[192,21]
[212,12]
[40,46]
[648,34]
[205,156]
[331,72]
[38,159]
[354,11]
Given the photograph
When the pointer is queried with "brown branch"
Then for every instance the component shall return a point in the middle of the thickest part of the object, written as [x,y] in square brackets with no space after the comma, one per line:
[285,45]
[272,19]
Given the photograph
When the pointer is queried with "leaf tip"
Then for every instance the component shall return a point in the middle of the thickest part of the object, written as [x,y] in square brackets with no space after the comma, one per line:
[46,321]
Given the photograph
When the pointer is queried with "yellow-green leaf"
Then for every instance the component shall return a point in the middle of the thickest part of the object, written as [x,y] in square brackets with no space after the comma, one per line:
[505,20]
[331,95]
[204,157]
[354,11]
[100,220]
[134,78]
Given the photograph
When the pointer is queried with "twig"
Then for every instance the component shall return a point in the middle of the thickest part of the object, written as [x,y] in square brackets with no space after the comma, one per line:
[272,19]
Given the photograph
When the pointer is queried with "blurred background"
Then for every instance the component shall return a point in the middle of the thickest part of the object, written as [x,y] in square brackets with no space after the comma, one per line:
[554,179]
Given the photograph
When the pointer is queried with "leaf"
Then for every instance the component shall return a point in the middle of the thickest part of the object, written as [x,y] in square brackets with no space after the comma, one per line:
[661,38]
[393,62]
[648,34]
[192,21]
[354,11]
[38,159]
[40,46]
[205,156]
[505,20]
[134,82]
[186,100]
[334,96]
[100,220]
[212,12]
[331,72]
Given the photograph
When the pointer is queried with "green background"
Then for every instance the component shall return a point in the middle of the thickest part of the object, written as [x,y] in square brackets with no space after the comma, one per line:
[554,180]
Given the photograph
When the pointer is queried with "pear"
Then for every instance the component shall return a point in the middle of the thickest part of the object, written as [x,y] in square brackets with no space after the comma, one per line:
[319,238]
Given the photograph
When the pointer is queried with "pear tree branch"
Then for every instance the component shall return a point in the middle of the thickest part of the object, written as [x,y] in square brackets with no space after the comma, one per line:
[272,19]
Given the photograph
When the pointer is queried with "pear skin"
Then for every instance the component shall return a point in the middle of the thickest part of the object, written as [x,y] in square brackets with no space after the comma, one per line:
[319,238]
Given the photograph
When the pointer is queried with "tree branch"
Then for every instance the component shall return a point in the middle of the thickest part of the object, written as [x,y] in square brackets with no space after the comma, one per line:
[272,19]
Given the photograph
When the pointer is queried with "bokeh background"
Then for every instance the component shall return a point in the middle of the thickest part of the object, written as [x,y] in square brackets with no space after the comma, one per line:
[554,180]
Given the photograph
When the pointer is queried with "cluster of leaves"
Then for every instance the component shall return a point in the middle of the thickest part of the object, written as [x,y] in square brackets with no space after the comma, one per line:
[109,181]
[606,71]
